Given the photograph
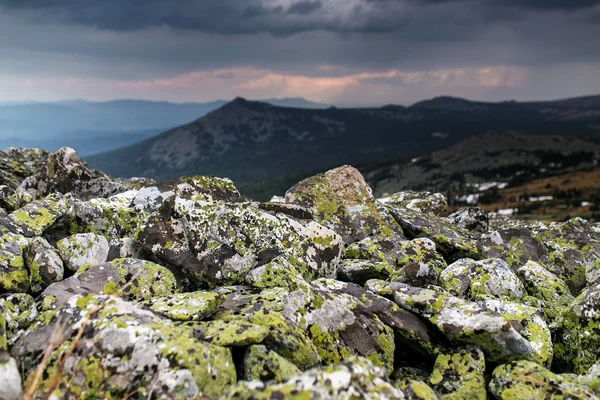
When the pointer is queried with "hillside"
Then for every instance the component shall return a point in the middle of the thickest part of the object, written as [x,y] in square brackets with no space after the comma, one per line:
[96,127]
[265,148]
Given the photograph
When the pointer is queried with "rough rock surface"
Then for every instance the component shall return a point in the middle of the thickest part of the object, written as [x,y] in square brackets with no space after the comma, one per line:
[184,289]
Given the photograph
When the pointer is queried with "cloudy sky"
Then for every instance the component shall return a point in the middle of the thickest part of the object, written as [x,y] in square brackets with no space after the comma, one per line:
[333,51]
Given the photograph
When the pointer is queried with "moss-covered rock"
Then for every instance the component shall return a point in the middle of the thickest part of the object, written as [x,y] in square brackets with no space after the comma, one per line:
[527,380]
[577,333]
[230,333]
[569,250]
[475,280]
[194,306]
[552,292]
[265,365]
[360,271]
[504,330]
[423,202]
[220,243]
[452,241]
[14,276]
[459,375]
[471,218]
[44,264]
[138,279]
[37,216]
[341,200]
[18,311]
[83,250]
[356,378]
[127,350]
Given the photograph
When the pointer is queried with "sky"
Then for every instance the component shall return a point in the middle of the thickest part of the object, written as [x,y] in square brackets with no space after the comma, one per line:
[367,52]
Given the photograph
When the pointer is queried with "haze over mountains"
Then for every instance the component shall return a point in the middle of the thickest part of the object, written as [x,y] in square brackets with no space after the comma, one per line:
[95,127]
[264,147]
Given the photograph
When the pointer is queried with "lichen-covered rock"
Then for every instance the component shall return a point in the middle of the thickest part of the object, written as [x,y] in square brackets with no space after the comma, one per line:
[44,264]
[360,271]
[265,365]
[460,374]
[10,378]
[112,217]
[552,292]
[220,243]
[471,218]
[423,202]
[230,333]
[527,380]
[244,305]
[9,198]
[410,331]
[569,250]
[37,216]
[206,188]
[452,241]
[416,390]
[13,272]
[65,172]
[411,261]
[141,280]
[341,200]
[127,349]
[356,378]
[505,331]
[83,250]
[475,280]
[18,313]
[576,333]
[194,306]
[16,164]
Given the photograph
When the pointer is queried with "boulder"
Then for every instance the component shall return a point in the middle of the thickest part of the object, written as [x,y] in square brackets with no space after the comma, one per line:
[44,264]
[83,250]
[422,202]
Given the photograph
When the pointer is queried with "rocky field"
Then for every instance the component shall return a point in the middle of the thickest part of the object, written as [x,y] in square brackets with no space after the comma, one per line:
[186,290]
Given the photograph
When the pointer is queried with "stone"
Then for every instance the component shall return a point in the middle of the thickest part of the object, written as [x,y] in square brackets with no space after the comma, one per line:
[194,306]
[505,331]
[37,216]
[551,291]
[65,172]
[18,311]
[576,339]
[219,243]
[265,365]
[146,280]
[452,241]
[341,200]
[357,378]
[10,378]
[14,277]
[527,380]
[127,349]
[471,218]
[422,202]
[474,280]
[83,250]
[44,264]
[460,374]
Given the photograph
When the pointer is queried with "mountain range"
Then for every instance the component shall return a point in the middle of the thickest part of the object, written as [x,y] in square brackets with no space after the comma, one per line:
[95,127]
[264,147]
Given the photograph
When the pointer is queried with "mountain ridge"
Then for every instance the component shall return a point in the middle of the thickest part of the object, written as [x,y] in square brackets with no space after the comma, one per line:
[255,141]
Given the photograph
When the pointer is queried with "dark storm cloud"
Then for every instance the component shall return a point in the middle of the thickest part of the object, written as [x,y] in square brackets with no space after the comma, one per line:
[304,7]
[281,18]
